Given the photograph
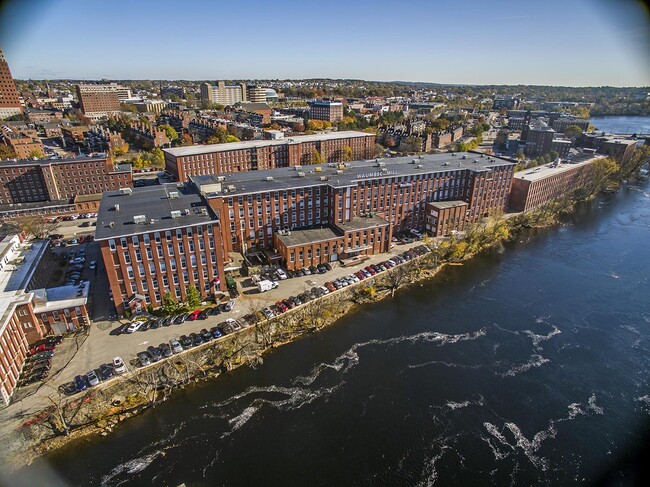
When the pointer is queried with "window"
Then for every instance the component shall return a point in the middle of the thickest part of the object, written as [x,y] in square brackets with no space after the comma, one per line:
[111,244]
[124,243]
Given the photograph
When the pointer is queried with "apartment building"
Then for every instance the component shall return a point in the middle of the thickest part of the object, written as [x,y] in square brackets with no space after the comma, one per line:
[147,136]
[9,98]
[101,100]
[158,239]
[25,143]
[223,94]
[535,187]
[256,94]
[330,111]
[254,155]
[28,181]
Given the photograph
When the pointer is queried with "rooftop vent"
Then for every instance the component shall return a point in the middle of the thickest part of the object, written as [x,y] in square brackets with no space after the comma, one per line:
[231,187]
[269,178]
[126,191]
[420,166]
[139,219]
[301,174]
[173,195]
[117,207]
[186,211]
[323,178]
[413,161]
[464,156]
[151,221]
[221,178]
[176,214]
[339,171]
[111,224]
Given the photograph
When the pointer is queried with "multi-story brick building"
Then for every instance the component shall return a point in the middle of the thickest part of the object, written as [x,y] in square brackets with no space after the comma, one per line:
[147,136]
[560,124]
[261,109]
[101,100]
[253,155]
[330,111]
[28,181]
[9,99]
[158,239]
[28,314]
[445,217]
[257,206]
[619,149]
[25,143]
[535,187]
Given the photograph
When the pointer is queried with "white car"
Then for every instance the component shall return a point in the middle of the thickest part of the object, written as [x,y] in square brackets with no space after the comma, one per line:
[281,274]
[135,326]
[118,365]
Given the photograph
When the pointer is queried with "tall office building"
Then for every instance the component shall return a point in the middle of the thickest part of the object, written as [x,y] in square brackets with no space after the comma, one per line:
[9,99]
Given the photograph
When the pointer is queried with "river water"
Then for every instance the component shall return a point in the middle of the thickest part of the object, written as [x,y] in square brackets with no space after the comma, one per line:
[622,124]
[523,367]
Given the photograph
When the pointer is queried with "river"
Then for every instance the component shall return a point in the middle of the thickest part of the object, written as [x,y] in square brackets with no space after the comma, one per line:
[622,124]
[523,367]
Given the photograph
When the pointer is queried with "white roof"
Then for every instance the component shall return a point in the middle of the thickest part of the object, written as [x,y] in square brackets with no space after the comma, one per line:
[60,297]
[206,149]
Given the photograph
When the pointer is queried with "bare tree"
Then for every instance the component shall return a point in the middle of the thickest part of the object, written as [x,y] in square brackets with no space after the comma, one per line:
[35,225]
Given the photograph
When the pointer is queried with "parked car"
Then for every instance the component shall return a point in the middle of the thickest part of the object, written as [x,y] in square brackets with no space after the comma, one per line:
[281,306]
[216,333]
[229,305]
[268,312]
[194,315]
[281,274]
[144,359]
[92,378]
[204,314]
[80,383]
[306,271]
[186,342]
[213,311]
[313,269]
[206,335]
[43,355]
[196,339]
[155,353]
[133,327]
[43,347]
[289,303]
[118,365]
[165,349]
[106,371]
[233,323]
[175,346]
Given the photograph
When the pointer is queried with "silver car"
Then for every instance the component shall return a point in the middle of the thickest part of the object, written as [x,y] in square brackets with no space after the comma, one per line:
[176,346]
[93,380]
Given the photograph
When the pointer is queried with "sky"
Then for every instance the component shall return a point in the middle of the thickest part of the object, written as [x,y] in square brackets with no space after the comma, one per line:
[549,42]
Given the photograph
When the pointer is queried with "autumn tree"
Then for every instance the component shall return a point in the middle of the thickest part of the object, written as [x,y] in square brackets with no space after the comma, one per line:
[186,139]
[346,153]
[7,152]
[315,157]
[170,131]
[35,225]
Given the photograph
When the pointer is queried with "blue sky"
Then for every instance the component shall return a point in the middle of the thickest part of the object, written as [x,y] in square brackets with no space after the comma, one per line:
[556,42]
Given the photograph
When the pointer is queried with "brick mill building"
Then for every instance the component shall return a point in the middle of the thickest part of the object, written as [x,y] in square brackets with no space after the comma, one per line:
[9,98]
[60,179]
[253,155]
[532,188]
[157,239]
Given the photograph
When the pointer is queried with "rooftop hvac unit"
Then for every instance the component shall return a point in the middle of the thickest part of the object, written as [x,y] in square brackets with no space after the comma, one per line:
[176,214]
[221,178]
[139,219]
[173,195]
[203,211]
[297,168]
[419,166]
[231,187]
[117,207]
[323,178]
[151,221]
[186,211]
[269,178]
[338,171]
[380,164]
[317,169]
[413,161]
[301,174]
[126,191]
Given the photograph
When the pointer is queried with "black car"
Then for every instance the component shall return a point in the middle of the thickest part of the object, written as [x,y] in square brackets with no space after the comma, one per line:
[233,293]
[206,335]
[300,273]
[154,324]
[196,339]
[204,314]
[313,269]
[146,325]
[155,353]
[165,349]
[322,269]
[186,341]
[168,321]
[106,372]
[327,266]
[213,311]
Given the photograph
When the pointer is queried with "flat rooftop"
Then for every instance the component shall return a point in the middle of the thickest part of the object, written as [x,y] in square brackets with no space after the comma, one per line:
[60,297]
[287,178]
[52,160]
[447,204]
[361,223]
[302,237]
[155,205]
[548,170]
[247,144]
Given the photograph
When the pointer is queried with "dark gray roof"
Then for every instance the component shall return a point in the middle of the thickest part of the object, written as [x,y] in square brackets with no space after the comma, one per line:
[250,105]
[153,203]
[301,237]
[51,160]
[361,223]
[236,184]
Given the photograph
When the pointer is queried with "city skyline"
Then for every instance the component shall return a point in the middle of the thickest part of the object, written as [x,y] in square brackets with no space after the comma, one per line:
[576,43]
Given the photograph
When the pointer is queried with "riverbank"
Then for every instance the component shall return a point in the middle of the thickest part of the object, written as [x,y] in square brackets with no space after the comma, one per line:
[105,407]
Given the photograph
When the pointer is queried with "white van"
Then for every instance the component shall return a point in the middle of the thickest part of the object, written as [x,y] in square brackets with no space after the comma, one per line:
[266,285]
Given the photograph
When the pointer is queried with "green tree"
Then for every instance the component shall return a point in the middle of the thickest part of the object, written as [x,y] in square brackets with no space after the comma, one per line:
[128,107]
[169,131]
[170,306]
[157,158]
[231,138]
[316,158]
[193,297]
[573,131]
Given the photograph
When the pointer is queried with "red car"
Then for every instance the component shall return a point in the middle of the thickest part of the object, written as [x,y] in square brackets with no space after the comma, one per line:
[43,347]
[281,307]
[331,287]
[371,270]
[194,315]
